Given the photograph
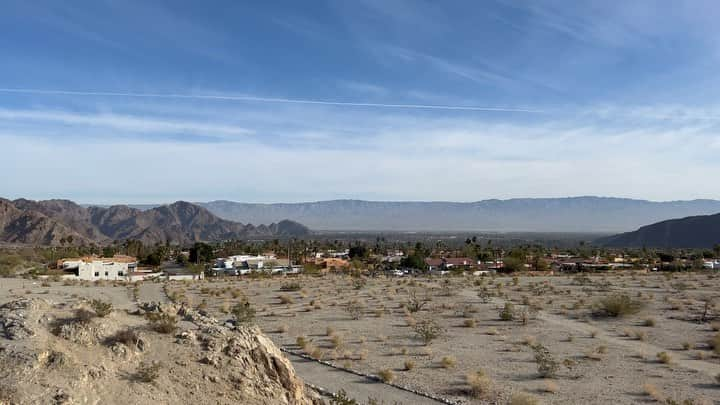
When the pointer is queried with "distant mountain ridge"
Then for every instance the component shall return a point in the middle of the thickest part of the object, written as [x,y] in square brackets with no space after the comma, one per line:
[570,214]
[701,231]
[53,222]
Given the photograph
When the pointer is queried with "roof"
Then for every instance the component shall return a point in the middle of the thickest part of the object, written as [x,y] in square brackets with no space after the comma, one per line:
[90,259]
[453,261]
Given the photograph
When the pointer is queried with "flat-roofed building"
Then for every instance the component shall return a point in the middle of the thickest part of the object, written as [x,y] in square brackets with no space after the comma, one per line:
[98,268]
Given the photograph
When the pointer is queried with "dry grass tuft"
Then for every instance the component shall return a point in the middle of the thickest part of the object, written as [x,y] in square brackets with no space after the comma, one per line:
[386,375]
[448,362]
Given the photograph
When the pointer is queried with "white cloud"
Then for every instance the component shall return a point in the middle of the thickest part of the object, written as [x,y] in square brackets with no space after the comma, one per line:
[398,157]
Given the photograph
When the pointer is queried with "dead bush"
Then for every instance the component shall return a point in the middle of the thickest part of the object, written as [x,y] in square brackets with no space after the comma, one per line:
[148,372]
[481,386]
[386,375]
[163,323]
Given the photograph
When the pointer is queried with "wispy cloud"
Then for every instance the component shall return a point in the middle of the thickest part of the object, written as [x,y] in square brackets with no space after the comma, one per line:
[268,100]
[141,124]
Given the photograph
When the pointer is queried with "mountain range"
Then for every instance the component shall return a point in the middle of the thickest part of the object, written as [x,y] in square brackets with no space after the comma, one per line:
[572,214]
[55,222]
[701,231]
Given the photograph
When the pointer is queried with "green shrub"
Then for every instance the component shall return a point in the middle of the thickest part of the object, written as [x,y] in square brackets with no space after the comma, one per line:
[546,363]
[101,308]
[508,312]
[427,330]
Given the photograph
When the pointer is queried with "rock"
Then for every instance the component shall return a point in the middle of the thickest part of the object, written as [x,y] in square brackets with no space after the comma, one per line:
[211,361]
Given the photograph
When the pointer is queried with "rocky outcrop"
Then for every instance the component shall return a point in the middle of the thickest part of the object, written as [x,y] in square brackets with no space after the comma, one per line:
[50,356]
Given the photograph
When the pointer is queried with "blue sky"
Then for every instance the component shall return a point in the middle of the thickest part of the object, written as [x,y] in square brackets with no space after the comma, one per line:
[154,101]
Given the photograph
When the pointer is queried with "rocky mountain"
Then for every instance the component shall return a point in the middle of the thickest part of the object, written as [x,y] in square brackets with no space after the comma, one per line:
[574,214]
[702,231]
[53,222]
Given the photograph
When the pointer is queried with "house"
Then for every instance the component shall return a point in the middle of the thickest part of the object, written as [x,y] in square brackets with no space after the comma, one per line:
[448,263]
[98,268]
[332,264]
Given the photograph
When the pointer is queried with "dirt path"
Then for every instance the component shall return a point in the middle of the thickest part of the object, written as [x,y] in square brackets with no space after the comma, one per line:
[357,387]
[152,292]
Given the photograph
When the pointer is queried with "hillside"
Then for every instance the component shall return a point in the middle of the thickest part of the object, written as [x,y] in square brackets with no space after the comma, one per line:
[701,231]
[576,214]
[54,222]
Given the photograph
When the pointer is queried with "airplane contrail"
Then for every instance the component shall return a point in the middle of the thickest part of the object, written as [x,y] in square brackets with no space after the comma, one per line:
[267,100]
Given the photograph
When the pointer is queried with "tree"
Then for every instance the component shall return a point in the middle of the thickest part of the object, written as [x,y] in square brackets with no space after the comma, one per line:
[201,253]
[181,259]
[357,252]
[109,251]
[414,261]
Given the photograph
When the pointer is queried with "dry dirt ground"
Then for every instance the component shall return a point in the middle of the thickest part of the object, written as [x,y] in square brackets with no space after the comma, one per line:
[599,359]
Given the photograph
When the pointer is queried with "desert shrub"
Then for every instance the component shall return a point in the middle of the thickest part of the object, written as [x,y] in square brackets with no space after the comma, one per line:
[386,375]
[409,365]
[163,323]
[291,286]
[448,362]
[415,303]
[618,305]
[83,315]
[148,372]
[301,341]
[341,398]
[337,341]
[243,312]
[485,296]
[522,398]
[714,343]
[653,392]
[664,357]
[101,308]
[469,323]
[285,299]
[546,363]
[358,283]
[649,322]
[508,312]
[129,337]
[355,309]
[481,386]
[427,330]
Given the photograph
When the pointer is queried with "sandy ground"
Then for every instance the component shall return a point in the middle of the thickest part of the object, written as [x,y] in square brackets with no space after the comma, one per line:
[602,360]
